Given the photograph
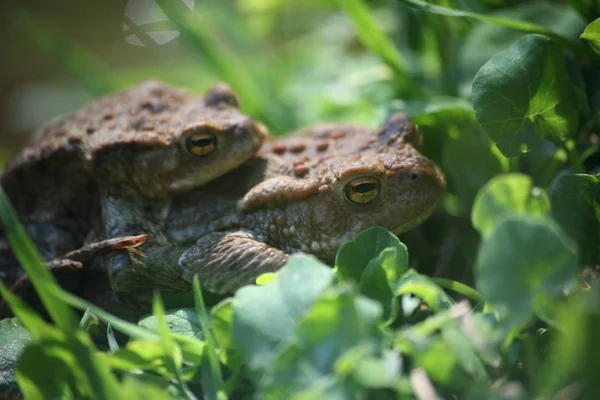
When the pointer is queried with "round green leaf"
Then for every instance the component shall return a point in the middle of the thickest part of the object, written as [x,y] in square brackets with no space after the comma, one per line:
[354,256]
[264,317]
[374,282]
[507,194]
[336,323]
[522,260]
[13,339]
[183,321]
[525,95]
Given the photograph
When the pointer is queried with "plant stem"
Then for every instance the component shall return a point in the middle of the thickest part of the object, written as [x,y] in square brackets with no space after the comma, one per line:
[459,288]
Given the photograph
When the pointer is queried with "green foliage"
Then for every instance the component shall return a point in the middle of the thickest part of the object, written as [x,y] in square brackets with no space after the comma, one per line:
[507,195]
[525,95]
[589,9]
[13,339]
[576,207]
[592,35]
[506,98]
[198,30]
[522,26]
[278,305]
[373,38]
[360,256]
[183,321]
[530,256]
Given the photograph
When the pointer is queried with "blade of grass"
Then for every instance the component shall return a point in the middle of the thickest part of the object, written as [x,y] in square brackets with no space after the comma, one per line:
[88,321]
[113,345]
[86,68]
[216,376]
[375,40]
[442,33]
[40,277]
[522,26]
[91,374]
[174,359]
[258,98]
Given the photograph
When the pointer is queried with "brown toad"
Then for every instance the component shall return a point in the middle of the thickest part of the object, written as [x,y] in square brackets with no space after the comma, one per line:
[149,142]
[249,221]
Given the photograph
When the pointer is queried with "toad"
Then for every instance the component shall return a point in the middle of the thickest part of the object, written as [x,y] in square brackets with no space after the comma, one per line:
[308,193]
[139,147]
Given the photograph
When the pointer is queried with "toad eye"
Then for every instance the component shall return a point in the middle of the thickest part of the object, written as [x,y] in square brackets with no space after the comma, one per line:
[362,190]
[201,144]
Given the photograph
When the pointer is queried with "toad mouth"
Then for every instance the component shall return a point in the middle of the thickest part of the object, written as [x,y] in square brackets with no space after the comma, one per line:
[190,182]
[413,222]
[186,183]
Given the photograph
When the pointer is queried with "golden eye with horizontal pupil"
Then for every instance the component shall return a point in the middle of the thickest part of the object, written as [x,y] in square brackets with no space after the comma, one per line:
[201,144]
[362,190]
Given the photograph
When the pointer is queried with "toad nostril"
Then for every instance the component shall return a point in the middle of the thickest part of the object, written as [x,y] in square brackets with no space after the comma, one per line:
[413,176]
[244,127]
[241,129]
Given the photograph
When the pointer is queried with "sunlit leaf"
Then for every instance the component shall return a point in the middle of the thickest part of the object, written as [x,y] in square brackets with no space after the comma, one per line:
[506,195]
[279,306]
[147,355]
[524,96]
[354,256]
[336,323]
[183,321]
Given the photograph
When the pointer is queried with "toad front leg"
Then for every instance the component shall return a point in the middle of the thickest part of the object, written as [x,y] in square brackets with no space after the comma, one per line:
[132,270]
[226,261]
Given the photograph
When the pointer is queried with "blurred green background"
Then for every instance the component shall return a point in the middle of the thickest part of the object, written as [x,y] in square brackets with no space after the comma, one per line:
[294,62]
